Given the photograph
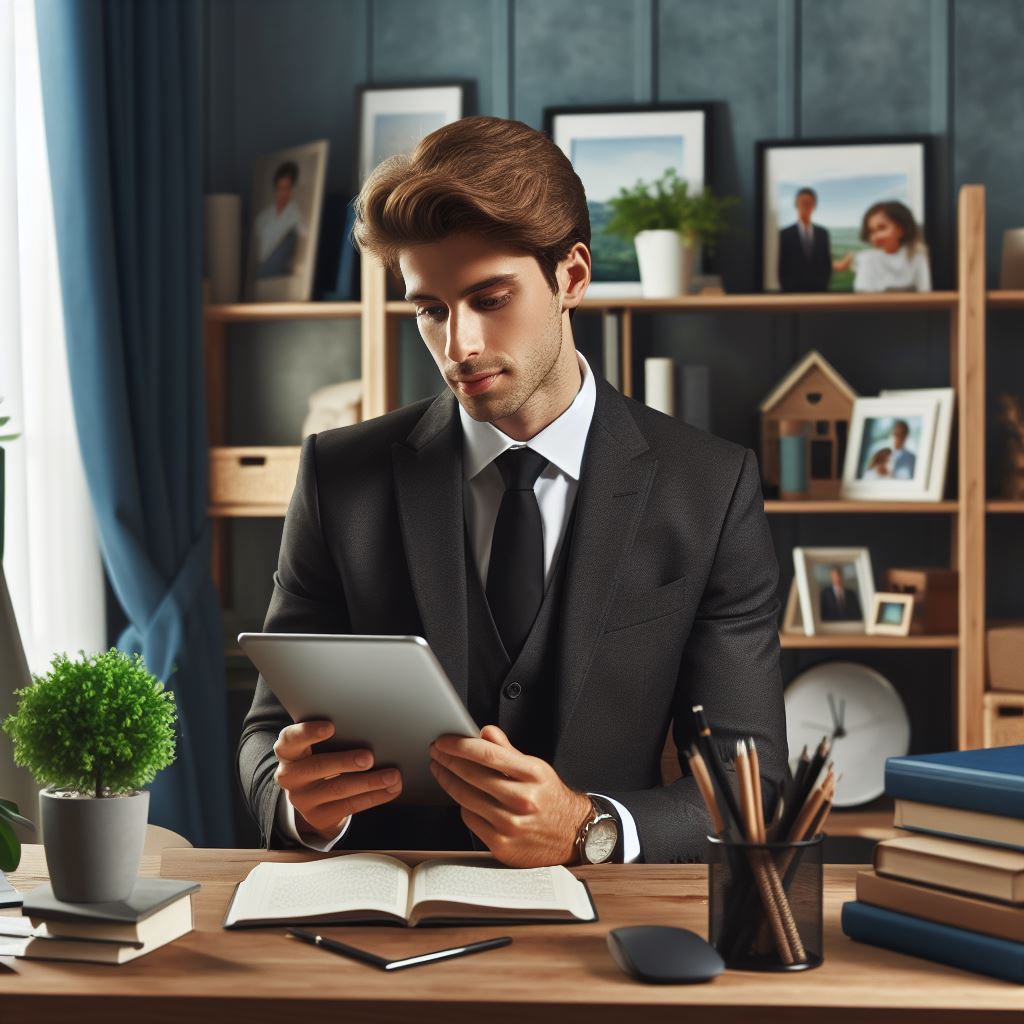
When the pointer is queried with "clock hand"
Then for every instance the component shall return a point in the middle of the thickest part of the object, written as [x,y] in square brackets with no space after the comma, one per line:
[817,726]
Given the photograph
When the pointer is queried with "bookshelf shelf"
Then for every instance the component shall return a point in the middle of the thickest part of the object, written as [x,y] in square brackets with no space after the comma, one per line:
[255,312]
[998,299]
[1002,506]
[863,641]
[839,507]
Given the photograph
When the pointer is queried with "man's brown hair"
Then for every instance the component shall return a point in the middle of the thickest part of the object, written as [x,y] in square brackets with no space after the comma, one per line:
[487,176]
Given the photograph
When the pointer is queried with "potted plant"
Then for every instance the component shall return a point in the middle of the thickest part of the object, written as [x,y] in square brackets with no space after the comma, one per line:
[667,226]
[93,732]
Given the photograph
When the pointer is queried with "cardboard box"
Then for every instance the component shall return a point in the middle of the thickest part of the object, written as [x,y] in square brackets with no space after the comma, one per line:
[935,597]
[1005,643]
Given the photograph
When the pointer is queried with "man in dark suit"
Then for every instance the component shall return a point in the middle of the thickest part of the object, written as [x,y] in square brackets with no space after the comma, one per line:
[805,250]
[838,602]
[586,569]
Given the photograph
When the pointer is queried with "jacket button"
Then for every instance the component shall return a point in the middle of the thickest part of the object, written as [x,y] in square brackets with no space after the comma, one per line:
[513,689]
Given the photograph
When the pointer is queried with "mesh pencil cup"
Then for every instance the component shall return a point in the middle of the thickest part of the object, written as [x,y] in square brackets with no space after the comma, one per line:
[765,904]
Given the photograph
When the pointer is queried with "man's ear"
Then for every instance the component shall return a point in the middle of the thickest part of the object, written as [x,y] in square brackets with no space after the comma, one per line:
[575,270]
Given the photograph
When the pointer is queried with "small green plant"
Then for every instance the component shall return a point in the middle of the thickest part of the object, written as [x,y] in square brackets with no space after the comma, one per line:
[102,725]
[4,420]
[699,218]
[10,845]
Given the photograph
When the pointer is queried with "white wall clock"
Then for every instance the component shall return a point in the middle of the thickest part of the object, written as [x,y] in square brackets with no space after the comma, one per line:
[863,716]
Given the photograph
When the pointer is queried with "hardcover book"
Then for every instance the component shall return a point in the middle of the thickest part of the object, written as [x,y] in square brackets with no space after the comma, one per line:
[989,780]
[361,888]
[956,823]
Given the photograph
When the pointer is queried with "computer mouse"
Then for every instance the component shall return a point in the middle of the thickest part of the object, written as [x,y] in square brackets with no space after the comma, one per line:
[663,955]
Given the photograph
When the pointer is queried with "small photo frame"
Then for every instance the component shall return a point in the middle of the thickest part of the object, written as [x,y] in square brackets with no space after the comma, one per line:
[890,447]
[891,614]
[935,485]
[612,148]
[287,194]
[814,198]
[393,119]
[836,588]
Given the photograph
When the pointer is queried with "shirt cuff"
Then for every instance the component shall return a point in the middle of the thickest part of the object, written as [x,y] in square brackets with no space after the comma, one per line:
[630,836]
[286,823]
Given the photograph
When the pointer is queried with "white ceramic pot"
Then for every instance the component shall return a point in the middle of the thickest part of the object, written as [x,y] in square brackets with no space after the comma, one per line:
[666,263]
[93,845]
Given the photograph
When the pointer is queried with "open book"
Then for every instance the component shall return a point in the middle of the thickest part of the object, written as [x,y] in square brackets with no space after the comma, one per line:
[372,887]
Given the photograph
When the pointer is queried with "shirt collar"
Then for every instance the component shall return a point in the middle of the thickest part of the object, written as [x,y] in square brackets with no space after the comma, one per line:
[560,442]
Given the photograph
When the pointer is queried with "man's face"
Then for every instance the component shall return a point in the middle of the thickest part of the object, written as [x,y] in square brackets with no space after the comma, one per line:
[283,191]
[899,435]
[805,205]
[505,336]
[837,579]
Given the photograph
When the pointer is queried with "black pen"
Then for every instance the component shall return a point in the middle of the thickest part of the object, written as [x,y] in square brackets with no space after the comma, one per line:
[393,965]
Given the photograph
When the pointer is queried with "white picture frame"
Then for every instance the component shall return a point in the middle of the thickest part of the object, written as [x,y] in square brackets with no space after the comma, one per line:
[284,226]
[874,468]
[792,619]
[935,486]
[812,567]
[880,621]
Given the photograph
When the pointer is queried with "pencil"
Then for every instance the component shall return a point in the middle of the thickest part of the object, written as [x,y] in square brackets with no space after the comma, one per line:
[707,791]
[734,819]
[755,775]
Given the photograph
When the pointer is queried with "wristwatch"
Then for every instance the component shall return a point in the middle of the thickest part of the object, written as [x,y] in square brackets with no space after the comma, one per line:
[599,840]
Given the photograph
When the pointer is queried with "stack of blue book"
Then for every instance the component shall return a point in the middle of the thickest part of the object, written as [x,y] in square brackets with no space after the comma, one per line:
[950,888]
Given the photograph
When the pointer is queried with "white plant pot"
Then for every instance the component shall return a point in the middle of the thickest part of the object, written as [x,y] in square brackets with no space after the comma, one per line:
[666,263]
[93,845]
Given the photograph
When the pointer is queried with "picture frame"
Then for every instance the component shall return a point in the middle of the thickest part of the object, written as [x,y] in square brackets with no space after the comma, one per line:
[891,614]
[846,176]
[822,609]
[938,464]
[889,451]
[284,226]
[611,147]
[792,619]
[392,118]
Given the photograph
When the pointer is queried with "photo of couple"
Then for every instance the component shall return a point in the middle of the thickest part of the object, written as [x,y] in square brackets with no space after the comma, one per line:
[890,446]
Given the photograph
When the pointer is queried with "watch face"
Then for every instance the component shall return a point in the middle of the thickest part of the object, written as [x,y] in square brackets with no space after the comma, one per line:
[600,841]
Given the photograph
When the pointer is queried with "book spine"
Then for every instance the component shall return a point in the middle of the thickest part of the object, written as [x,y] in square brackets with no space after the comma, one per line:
[949,788]
[970,951]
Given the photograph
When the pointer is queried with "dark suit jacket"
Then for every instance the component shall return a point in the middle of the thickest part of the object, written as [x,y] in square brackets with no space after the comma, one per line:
[669,600]
[830,606]
[797,273]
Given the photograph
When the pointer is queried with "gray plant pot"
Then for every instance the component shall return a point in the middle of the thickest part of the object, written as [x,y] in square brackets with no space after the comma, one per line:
[93,845]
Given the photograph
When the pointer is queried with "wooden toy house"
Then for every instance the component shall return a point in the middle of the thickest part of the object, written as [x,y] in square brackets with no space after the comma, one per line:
[814,400]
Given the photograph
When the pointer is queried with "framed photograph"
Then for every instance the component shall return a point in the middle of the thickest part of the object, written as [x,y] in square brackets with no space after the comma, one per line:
[393,119]
[889,451]
[935,485]
[836,588]
[844,215]
[287,194]
[612,148]
[891,614]
[792,620]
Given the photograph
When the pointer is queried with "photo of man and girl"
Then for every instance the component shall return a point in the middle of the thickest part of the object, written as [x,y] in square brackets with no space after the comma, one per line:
[889,449]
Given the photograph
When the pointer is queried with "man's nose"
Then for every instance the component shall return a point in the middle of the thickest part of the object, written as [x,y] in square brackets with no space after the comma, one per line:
[465,339]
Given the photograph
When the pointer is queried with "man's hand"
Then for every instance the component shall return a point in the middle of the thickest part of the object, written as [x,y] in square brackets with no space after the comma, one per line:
[516,804]
[325,789]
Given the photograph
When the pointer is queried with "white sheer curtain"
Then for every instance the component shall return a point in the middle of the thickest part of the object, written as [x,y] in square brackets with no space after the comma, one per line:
[51,552]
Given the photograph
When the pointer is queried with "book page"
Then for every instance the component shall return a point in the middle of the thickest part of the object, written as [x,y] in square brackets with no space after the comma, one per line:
[539,889]
[320,888]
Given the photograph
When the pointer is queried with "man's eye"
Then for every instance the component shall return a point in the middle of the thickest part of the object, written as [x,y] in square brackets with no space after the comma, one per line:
[489,302]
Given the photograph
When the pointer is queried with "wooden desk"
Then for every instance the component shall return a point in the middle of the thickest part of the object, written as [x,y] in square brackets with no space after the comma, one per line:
[558,973]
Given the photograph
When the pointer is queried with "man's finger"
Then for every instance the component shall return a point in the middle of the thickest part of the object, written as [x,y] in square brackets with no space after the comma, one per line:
[346,787]
[508,761]
[495,734]
[301,772]
[466,796]
[504,790]
[331,816]
[295,741]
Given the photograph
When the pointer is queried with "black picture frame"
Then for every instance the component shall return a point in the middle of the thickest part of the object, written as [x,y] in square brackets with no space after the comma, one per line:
[706,108]
[467,87]
[931,227]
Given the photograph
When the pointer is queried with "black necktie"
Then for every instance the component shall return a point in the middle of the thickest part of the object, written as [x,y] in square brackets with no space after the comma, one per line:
[515,576]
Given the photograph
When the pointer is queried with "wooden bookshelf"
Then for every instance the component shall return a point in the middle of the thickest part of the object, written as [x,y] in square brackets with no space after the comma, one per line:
[966,309]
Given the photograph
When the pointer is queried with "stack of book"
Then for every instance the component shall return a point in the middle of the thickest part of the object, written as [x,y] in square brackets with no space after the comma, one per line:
[952,888]
[158,911]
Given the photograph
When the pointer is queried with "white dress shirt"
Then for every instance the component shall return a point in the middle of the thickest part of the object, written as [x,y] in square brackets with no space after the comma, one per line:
[561,443]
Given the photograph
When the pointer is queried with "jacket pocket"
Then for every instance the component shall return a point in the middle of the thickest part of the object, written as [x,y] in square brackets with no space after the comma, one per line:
[631,607]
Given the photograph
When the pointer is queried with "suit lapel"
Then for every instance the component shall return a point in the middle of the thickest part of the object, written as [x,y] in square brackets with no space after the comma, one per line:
[614,485]
[428,487]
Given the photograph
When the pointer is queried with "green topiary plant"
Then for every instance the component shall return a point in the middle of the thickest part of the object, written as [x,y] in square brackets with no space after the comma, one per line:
[699,218]
[102,725]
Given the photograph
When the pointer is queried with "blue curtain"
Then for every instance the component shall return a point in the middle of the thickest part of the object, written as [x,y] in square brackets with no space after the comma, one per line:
[121,92]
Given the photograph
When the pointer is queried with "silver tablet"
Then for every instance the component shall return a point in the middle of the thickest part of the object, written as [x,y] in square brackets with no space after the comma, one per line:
[386,693]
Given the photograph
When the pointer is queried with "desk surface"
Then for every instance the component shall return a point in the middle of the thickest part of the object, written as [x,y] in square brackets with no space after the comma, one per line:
[552,972]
